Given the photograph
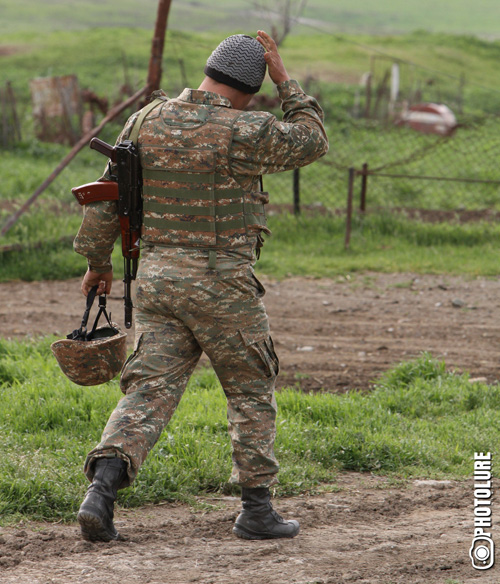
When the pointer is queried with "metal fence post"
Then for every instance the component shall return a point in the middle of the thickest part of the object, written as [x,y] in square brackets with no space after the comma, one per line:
[364,181]
[348,220]
[296,191]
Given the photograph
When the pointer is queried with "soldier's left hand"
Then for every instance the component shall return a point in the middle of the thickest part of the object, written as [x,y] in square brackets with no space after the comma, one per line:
[275,66]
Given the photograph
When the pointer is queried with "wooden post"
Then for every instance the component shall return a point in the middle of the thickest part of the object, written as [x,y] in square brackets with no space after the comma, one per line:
[369,81]
[296,191]
[69,131]
[154,71]
[15,118]
[380,94]
[364,181]
[368,95]
[348,220]
[5,119]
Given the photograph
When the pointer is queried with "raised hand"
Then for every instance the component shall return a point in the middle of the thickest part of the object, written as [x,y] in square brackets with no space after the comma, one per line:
[275,66]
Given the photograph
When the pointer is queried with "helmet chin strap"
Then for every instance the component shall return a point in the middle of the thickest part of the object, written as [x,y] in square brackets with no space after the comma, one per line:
[95,362]
[81,334]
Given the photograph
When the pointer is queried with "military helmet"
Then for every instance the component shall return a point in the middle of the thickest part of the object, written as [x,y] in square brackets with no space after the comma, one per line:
[92,358]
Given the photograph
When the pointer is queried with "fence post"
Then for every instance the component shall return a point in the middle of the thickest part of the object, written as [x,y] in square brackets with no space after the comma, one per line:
[296,191]
[364,181]
[348,220]
[15,119]
[5,122]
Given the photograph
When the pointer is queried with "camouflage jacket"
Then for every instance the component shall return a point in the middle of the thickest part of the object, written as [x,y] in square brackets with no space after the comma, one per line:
[260,144]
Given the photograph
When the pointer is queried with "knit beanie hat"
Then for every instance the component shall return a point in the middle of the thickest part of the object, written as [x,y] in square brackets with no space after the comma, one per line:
[238,62]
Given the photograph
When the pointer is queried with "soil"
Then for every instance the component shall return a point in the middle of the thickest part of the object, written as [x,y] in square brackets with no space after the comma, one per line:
[330,335]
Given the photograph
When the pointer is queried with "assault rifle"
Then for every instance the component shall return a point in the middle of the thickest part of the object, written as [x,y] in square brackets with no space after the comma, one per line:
[126,188]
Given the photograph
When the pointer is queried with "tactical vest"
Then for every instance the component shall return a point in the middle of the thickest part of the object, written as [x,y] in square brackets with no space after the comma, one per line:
[190,198]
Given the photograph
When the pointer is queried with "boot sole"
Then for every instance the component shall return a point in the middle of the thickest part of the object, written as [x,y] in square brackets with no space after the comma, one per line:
[245,535]
[93,529]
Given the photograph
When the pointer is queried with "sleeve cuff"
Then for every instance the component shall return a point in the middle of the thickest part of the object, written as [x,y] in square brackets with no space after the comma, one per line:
[100,268]
[289,88]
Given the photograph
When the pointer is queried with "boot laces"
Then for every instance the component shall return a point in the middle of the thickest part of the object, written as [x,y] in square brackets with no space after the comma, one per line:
[277,517]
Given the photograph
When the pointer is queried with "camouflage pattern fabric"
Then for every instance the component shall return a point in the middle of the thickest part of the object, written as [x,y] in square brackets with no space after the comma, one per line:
[92,362]
[190,197]
[185,306]
[260,145]
[176,321]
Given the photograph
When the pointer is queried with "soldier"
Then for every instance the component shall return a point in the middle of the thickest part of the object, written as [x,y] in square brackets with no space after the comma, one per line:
[202,156]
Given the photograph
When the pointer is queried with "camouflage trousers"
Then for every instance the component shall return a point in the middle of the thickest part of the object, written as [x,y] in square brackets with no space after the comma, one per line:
[175,322]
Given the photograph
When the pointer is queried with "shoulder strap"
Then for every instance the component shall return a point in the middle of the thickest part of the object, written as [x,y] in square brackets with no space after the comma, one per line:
[134,134]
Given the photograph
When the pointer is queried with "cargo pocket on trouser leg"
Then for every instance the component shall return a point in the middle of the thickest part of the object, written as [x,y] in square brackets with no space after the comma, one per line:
[261,344]
[272,353]
[252,411]
[260,291]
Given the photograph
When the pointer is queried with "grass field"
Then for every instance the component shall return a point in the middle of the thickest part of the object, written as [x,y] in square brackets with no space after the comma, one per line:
[305,246]
[419,421]
[98,57]
[383,17]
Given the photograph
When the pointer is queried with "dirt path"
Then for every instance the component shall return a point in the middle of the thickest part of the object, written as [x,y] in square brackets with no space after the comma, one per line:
[333,335]
[367,532]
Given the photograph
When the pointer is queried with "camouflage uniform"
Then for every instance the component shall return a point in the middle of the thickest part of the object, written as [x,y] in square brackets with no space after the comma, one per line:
[196,291]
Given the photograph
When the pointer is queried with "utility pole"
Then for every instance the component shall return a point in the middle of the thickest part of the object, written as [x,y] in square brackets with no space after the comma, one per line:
[154,71]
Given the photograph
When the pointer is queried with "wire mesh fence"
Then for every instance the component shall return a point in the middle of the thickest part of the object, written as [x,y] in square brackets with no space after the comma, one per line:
[429,168]
[407,169]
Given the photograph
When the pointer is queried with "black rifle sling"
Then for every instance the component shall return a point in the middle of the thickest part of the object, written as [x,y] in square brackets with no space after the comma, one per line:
[260,238]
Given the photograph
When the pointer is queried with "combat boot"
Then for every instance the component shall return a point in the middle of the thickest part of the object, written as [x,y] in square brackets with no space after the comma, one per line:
[96,511]
[259,520]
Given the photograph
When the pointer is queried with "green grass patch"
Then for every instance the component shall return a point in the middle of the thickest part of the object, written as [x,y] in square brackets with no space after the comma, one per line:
[385,242]
[312,246]
[418,421]
[105,58]
[386,16]
[100,57]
